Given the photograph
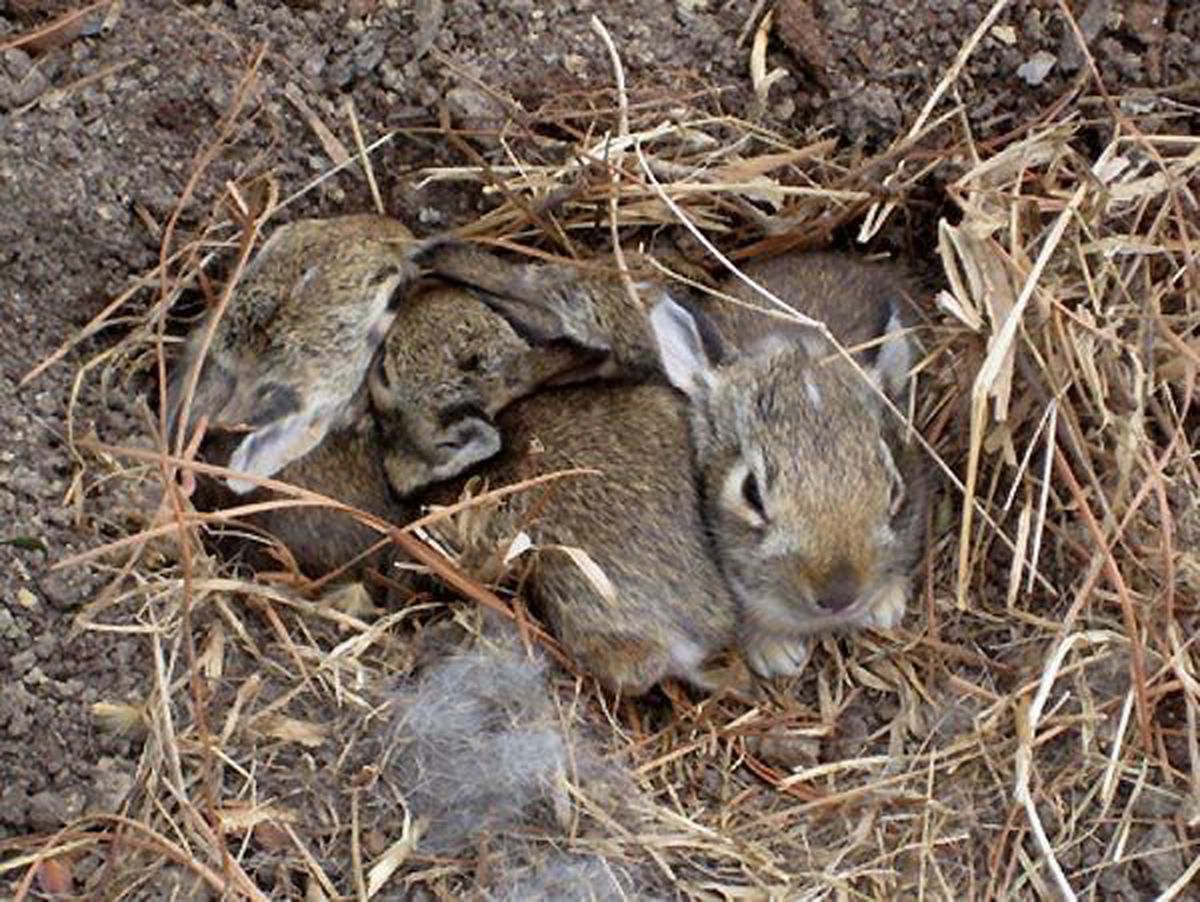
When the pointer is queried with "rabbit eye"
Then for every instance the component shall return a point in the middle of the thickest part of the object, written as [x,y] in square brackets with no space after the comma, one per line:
[752,496]
[380,374]
[742,497]
[273,401]
[380,276]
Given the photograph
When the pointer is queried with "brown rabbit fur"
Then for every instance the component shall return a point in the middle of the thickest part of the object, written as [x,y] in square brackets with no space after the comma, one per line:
[447,367]
[662,607]
[772,487]
[347,467]
[292,348]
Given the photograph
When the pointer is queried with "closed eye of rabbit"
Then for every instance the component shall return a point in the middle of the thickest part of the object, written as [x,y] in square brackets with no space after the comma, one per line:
[471,363]
[273,401]
[752,495]
[468,435]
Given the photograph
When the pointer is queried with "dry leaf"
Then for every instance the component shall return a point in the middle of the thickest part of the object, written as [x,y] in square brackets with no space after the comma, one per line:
[289,729]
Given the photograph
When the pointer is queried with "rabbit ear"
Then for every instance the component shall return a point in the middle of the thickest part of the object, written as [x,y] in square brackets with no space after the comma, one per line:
[266,451]
[543,304]
[681,348]
[414,461]
[894,359]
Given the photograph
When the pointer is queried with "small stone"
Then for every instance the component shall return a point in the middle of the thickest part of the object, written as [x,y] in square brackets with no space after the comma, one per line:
[879,104]
[29,88]
[22,661]
[14,805]
[50,810]
[1005,34]
[474,109]
[686,10]
[17,62]
[111,784]
[1034,70]
[576,64]
[66,590]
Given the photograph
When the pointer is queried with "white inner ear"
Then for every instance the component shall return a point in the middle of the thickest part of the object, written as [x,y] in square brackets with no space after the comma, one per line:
[266,451]
[680,348]
[482,440]
[895,359]
[896,488]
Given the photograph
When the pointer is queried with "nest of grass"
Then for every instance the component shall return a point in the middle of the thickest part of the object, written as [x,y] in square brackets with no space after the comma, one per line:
[1031,729]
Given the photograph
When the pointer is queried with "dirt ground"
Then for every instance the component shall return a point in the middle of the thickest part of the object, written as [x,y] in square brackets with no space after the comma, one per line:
[100,129]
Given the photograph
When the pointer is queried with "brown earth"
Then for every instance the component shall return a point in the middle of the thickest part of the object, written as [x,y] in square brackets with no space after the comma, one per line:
[100,131]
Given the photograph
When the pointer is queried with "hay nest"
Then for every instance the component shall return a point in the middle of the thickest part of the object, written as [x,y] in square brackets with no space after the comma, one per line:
[1031,729]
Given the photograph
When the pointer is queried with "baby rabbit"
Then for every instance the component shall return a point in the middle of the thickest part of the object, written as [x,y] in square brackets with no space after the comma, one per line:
[811,496]
[290,352]
[662,607]
[448,366]
[816,498]
[289,358]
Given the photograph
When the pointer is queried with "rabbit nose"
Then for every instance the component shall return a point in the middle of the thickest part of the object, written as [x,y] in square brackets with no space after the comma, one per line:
[839,591]
[838,600]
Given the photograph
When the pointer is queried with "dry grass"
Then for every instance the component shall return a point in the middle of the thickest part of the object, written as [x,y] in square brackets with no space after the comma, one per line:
[1032,730]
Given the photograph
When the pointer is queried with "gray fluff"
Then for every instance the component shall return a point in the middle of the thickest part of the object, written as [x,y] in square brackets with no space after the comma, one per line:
[479,748]
[569,878]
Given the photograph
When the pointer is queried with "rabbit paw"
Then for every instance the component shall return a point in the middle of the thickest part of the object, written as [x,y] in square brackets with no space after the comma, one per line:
[888,610]
[772,656]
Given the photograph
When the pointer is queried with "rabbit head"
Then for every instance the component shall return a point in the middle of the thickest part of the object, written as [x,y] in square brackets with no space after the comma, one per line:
[448,366]
[557,304]
[285,361]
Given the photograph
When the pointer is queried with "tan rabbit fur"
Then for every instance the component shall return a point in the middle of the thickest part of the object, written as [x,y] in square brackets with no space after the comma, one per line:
[285,381]
[820,511]
[771,488]
[639,522]
[547,303]
[813,499]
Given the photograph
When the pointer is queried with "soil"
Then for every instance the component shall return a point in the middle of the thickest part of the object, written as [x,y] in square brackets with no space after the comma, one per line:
[100,130]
